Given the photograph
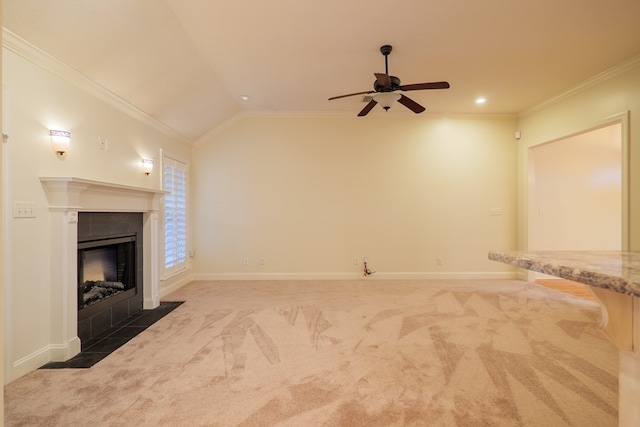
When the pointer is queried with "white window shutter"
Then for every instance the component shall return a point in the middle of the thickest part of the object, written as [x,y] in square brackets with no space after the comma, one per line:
[175,215]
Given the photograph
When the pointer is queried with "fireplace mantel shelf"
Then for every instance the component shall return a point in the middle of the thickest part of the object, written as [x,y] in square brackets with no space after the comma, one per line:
[79,194]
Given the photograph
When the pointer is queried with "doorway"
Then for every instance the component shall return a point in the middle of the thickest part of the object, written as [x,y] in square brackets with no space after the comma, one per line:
[576,192]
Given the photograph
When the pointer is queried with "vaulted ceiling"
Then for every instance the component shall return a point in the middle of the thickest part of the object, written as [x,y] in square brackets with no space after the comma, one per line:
[187,62]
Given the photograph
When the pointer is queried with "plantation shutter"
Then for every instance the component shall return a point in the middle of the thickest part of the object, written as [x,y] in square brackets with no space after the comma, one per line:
[175,215]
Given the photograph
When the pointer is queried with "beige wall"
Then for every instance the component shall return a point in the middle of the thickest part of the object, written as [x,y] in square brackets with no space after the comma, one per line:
[615,99]
[310,194]
[39,100]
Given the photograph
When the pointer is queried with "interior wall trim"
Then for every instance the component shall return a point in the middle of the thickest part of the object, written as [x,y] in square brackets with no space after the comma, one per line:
[29,363]
[356,276]
[26,50]
[341,115]
[593,81]
[175,285]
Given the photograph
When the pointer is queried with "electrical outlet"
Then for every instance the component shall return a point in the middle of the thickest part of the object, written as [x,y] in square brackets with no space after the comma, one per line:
[263,261]
[245,261]
[24,209]
[439,260]
[356,260]
[103,143]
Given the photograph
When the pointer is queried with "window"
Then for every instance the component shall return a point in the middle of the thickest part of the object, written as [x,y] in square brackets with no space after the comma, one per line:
[175,215]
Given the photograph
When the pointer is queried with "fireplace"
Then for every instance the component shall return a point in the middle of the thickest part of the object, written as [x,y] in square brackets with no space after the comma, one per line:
[106,269]
[109,270]
[70,198]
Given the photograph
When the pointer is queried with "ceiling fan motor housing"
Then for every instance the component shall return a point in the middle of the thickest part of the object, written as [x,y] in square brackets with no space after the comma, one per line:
[395,85]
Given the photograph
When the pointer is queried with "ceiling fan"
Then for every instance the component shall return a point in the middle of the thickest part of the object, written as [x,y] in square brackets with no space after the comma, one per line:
[387,88]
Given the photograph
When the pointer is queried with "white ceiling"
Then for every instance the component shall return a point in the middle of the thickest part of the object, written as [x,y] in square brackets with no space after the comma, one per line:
[185,62]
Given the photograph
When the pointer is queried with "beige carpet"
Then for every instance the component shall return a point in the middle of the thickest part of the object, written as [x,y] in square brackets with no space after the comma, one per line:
[344,353]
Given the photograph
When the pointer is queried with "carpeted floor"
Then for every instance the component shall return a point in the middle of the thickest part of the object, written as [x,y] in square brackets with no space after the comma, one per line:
[344,353]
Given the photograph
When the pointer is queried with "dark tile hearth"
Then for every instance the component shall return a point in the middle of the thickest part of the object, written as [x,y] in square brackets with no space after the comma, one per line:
[96,349]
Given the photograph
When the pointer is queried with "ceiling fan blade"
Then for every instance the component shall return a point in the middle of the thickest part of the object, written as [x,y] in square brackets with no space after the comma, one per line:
[411,104]
[351,94]
[422,86]
[367,108]
[383,79]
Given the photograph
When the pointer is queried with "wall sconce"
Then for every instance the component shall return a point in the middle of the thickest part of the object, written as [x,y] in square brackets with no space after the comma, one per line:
[147,166]
[60,139]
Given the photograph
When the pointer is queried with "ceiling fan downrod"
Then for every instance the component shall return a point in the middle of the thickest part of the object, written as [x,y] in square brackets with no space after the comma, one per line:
[386,50]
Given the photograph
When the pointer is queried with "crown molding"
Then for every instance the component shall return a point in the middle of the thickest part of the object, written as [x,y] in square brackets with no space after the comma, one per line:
[28,51]
[342,115]
[269,114]
[219,129]
[593,81]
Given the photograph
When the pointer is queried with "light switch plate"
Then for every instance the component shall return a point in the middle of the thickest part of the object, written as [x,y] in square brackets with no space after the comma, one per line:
[24,209]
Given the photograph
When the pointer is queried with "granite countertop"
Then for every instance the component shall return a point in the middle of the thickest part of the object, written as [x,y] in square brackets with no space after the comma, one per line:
[614,270]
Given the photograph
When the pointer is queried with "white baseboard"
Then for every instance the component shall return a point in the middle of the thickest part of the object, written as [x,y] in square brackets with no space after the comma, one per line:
[35,360]
[278,276]
[174,285]
[62,352]
[462,275]
[150,303]
[356,276]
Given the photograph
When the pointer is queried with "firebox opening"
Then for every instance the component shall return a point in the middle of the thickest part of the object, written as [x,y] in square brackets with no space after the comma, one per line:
[106,268]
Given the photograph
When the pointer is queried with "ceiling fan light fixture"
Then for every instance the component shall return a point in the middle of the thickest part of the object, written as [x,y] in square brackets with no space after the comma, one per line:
[387,90]
[386,99]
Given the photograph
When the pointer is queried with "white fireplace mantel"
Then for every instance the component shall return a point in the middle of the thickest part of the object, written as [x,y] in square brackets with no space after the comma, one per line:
[67,196]
[79,194]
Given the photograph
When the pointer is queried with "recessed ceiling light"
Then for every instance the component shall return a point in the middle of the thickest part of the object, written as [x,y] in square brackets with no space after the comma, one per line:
[481,100]
[244,97]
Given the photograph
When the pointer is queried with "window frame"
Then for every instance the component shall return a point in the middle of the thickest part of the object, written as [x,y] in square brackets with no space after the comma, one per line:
[180,233]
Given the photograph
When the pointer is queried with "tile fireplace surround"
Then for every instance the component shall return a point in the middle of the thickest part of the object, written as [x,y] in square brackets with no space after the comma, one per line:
[67,196]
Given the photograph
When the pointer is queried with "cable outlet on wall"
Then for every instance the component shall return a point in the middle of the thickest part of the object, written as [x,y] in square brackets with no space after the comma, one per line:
[103,143]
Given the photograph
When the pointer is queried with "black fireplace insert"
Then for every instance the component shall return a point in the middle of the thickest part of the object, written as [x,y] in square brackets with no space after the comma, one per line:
[110,270]
[106,271]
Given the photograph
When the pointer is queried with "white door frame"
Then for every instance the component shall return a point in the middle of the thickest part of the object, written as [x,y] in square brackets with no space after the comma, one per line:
[623,120]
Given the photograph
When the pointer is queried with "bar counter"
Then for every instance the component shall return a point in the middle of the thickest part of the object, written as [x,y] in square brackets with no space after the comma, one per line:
[614,279]
[613,270]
